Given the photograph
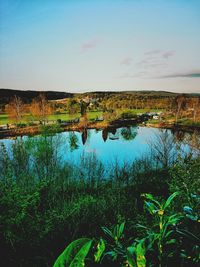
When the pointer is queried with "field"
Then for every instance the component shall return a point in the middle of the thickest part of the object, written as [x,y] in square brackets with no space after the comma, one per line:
[4,118]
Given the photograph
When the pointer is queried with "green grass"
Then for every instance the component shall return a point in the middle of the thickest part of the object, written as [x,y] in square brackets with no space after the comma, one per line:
[67,116]
[4,119]
[63,116]
[138,111]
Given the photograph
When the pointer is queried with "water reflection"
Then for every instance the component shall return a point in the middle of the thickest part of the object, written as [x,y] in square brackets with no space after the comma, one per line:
[73,141]
[192,139]
[105,134]
[179,135]
[84,136]
[111,133]
[127,143]
[128,133]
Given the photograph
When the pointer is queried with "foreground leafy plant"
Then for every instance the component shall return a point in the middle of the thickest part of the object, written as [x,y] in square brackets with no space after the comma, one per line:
[160,235]
[191,253]
[132,255]
[75,253]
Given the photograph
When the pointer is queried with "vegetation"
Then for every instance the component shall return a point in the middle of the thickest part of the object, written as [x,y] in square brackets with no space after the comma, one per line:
[157,248]
[175,108]
[46,203]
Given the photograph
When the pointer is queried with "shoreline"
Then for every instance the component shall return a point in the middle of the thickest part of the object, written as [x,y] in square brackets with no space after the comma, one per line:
[34,130]
[176,127]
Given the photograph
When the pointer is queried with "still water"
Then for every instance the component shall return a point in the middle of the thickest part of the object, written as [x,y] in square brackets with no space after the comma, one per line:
[122,144]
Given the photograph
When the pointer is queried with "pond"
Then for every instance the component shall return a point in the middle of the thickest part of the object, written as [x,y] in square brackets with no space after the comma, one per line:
[122,144]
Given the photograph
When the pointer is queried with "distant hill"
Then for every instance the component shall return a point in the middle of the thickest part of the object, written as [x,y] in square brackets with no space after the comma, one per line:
[27,95]
[136,93]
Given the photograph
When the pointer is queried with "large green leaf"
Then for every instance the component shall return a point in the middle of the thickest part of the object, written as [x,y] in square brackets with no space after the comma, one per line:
[140,255]
[79,259]
[74,254]
[169,200]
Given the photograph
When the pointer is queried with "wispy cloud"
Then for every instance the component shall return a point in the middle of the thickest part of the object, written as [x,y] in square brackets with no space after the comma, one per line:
[140,74]
[155,59]
[190,74]
[168,54]
[155,65]
[153,52]
[89,45]
[126,61]
[150,63]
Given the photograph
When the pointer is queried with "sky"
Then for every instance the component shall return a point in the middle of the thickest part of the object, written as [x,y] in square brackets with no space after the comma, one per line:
[100,45]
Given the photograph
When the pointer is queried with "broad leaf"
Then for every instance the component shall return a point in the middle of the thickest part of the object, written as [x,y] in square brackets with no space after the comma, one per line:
[79,259]
[140,255]
[74,253]
[169,200]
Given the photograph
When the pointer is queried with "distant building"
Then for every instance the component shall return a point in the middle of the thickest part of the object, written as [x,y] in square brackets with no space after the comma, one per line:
[156,117]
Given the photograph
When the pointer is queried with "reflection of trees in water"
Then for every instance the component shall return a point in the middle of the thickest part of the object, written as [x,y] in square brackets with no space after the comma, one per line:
[128,133]
[164,149]
[73,141]
[110,132]
[105,134]
[179,135]
[113,133]
[84,136]
[187,138]
[113,130]
[193,140]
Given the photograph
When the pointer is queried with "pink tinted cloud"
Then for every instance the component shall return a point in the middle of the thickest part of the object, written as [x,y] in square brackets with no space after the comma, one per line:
[126,61]
[168,54]
[91,44]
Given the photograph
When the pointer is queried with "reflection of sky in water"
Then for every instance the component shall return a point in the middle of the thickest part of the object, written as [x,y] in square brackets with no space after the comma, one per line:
[110,150]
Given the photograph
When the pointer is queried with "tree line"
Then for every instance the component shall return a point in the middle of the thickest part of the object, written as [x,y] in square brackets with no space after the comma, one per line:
[179,105]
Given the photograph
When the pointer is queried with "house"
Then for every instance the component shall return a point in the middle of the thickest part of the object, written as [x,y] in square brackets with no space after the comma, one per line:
[3,127]
[156,117]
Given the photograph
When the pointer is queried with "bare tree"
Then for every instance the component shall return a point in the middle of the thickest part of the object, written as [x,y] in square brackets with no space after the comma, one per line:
[180,102]
[15,109]
[41,108]
[196,107]
[163,148]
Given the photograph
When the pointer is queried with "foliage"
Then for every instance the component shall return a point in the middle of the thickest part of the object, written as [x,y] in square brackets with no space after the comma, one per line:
[46,203]
[163,233]
[74,255]
[160,235]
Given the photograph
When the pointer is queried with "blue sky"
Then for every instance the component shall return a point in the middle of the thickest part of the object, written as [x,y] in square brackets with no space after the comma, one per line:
[76,46]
